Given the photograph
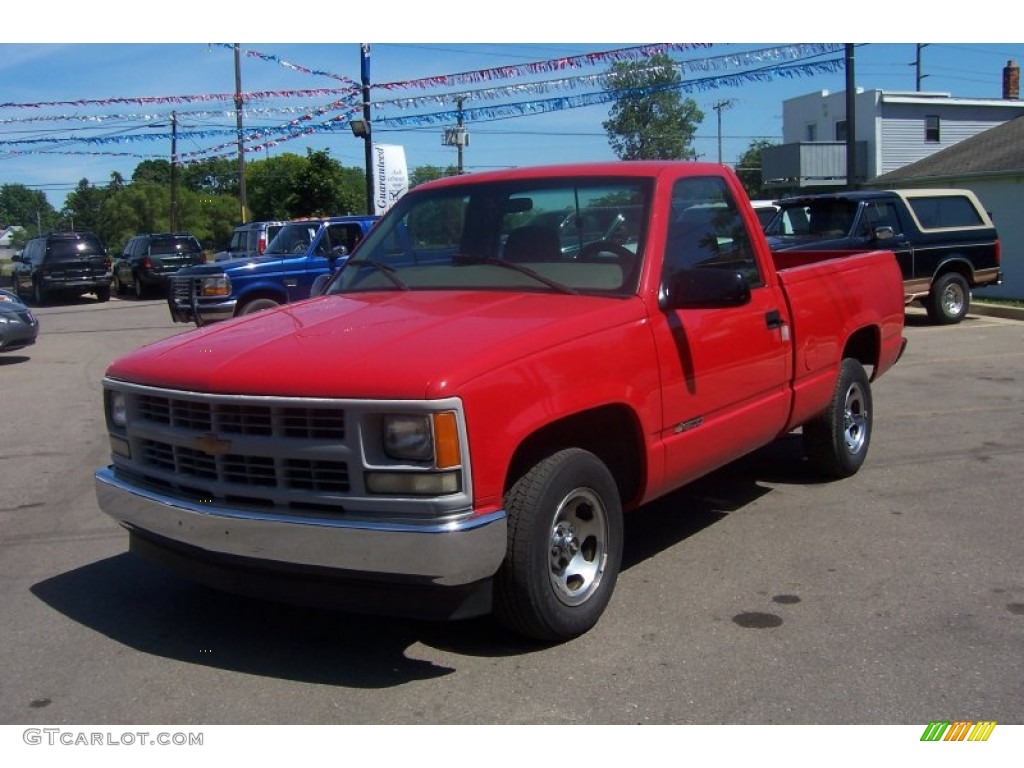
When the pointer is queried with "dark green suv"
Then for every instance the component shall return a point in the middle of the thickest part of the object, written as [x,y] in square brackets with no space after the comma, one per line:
[149,260]
[62,264]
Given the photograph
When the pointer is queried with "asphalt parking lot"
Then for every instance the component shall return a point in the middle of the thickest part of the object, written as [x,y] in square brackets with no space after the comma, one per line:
[756,595]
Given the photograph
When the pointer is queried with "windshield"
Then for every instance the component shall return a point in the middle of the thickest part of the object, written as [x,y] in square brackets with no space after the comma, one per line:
[818,218]
[294,238]
[568,236]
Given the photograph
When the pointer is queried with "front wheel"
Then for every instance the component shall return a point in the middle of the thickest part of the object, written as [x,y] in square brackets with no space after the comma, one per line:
[949,299]
[564,547]
[836,442]
[257,305]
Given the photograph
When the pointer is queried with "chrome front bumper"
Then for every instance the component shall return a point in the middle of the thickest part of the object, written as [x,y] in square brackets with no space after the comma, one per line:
[443,553]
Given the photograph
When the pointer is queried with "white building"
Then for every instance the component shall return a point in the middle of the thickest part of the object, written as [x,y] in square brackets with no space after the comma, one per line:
[893,129]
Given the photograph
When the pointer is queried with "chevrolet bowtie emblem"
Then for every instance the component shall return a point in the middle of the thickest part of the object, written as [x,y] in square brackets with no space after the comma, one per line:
[212,444]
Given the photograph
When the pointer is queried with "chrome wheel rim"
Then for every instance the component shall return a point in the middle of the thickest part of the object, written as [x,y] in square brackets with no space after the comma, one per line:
[855,419]
[953,299]
[578,552]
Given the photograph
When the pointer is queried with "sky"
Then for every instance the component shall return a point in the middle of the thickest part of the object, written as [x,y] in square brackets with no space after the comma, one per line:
[83,102]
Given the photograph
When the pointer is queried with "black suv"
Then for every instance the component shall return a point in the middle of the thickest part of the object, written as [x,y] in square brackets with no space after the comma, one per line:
[67,264]
[148,260]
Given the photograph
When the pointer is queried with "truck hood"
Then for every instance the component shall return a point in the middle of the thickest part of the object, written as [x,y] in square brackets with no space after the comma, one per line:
[233,266]
[401,344]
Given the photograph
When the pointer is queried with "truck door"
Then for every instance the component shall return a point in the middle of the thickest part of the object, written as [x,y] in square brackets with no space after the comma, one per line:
[725,370]
[880,216]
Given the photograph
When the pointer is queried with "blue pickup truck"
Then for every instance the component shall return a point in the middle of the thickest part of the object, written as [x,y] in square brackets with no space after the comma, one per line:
[301,251]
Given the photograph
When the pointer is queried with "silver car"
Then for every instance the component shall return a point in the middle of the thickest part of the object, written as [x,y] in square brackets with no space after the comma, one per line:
[18,326]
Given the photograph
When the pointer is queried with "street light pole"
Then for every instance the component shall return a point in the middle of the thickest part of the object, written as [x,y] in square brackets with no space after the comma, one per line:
[364,68]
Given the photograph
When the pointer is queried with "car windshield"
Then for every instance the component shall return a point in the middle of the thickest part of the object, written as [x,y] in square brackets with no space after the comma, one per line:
[569,236]
[818,218]
[294,238]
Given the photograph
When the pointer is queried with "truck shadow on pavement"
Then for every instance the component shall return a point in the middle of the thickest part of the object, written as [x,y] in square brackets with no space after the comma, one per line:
[157,613]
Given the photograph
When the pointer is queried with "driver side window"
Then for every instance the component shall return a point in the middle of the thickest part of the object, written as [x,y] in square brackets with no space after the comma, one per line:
[707,230]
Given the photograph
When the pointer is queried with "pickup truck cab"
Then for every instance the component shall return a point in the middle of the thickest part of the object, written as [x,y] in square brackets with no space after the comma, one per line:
[459,421]
[943,239]
[300,251]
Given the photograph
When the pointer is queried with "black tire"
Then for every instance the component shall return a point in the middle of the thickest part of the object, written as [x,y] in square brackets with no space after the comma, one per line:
[103,293]
[564,548]
[119,288]
[257,305]
[15,286]
[949,299]
[138,287]
[837,441]
[40,295]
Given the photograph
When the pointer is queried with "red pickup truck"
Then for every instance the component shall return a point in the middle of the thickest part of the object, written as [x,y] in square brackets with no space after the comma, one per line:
[507,363]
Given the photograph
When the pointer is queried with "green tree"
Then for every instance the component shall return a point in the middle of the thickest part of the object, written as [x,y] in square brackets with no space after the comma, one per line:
[748,168]
[318,185]
[27,208]
[429,173]
[83,208]
[650,120]
[142,206]
[215,176]
[270,186]
[156,171]
[353,191]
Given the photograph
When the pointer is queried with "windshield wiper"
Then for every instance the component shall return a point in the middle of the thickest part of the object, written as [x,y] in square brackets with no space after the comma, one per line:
[465,258]
[385,269]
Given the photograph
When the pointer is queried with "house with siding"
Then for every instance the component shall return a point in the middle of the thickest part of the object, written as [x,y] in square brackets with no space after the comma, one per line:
[991,164]
[893,129]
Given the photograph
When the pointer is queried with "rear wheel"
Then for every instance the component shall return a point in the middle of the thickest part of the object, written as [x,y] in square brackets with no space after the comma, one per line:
[836,442]
[140,289]
[103,293]
[949,299]
[564,547]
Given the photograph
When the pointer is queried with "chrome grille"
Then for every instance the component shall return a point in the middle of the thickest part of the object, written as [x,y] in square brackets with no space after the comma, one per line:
[269,453]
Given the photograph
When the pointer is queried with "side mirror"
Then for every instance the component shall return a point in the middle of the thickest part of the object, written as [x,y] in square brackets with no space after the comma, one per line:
[704,289]
[884,233]
[339,250]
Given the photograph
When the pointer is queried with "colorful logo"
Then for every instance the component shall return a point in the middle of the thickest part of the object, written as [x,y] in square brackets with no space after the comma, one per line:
[958,730]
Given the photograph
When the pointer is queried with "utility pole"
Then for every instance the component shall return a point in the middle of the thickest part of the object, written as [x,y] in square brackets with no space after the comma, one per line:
[718,107]
[851,119]
[917,66]
[461,134]
[238,122]
[174,171]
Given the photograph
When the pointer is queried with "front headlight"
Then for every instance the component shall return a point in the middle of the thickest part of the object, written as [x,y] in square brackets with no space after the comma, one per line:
[408,437]
[118,409]
[215,285]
